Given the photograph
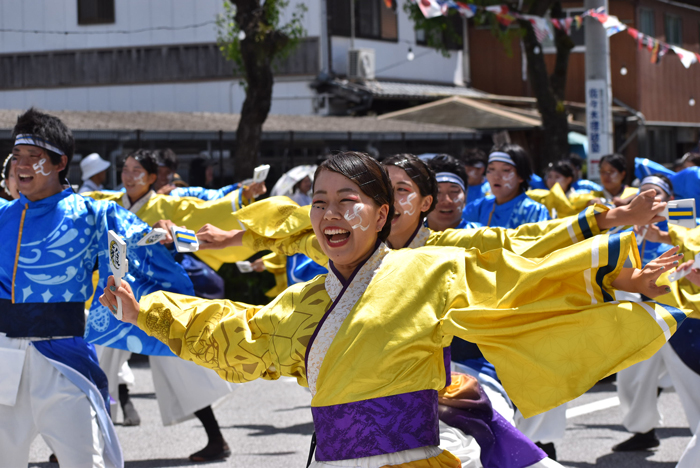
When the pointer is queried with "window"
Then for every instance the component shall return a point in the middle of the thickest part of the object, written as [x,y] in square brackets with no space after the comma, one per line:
[452,40]
[646,22]
[95,11]
[373,19]
[578,35]
[674,29]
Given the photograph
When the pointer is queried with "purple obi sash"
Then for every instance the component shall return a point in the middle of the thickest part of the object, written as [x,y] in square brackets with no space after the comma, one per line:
[377,426]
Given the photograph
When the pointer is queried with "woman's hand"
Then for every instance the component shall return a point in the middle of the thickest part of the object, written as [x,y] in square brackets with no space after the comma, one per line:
[211,237]
[693,274]
[130,306]
[165,224]
[644,281]
[254,190]
[644,209]
[654,234]
[258,265]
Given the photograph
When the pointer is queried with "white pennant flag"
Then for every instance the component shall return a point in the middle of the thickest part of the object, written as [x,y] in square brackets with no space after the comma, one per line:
[687,57]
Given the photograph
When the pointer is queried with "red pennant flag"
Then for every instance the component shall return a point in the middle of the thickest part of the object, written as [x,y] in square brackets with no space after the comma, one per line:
[650,43]
[655,53]
[567,25]
[557,24]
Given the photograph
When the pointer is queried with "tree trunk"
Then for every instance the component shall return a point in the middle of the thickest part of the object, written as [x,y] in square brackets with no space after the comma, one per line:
[549,91]
[258,49]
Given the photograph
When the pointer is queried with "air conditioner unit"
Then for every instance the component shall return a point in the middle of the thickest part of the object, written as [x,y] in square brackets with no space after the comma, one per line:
[361,63]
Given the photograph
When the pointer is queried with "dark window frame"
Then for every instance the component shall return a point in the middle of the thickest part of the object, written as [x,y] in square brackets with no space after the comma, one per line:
[339,22]
[651,13]
[103,12]
[668,18]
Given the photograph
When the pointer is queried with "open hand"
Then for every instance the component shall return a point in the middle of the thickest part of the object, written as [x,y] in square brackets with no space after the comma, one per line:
[211,237]
[130,306]
[254,190]
[655,268]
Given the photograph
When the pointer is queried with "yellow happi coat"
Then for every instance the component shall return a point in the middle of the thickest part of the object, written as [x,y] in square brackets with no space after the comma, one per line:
[684,294]
[192,213]
[280,225]
[549,326]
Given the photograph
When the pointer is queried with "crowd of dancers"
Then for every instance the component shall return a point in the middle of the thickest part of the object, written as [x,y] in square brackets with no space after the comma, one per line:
[441,311]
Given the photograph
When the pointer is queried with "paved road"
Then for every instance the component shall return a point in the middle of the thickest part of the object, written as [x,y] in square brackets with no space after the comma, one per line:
[268,424]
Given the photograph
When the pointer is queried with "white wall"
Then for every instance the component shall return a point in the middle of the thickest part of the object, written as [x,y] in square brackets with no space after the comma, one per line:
[428,65]
[130,15]
[288,97]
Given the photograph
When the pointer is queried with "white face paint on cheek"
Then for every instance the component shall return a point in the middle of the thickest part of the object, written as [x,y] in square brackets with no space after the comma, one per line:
[508,177]
[615,178]
[356,216]
[408,207]
[39,168]
[139,179]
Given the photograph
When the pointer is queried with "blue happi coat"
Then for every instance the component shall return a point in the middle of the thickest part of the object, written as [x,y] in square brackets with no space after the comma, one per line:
[63,238]
[510,215]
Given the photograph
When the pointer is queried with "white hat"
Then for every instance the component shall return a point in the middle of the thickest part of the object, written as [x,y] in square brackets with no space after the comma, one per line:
[93,164]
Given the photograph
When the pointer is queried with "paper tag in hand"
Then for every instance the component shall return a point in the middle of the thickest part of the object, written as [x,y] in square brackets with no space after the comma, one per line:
[260,173]
[244,267]
[678,274]
[680,212]
[153,237]
[117,263]
[184,239]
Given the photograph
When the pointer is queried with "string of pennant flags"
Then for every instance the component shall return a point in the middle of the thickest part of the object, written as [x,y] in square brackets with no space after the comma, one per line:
[543,26]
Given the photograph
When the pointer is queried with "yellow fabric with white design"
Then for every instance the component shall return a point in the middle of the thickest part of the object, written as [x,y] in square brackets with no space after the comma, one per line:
[541,322]
[280,225]
[192,213]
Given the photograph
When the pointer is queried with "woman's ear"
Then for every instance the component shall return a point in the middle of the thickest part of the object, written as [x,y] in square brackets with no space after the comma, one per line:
[425,204]
[152,179]
[382,214]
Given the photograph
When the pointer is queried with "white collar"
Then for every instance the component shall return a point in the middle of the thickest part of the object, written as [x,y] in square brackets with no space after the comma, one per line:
[126,203]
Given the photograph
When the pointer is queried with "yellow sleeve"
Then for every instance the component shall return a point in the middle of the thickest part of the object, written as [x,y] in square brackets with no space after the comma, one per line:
[550,326]
[304,243]
[277,265]
[554,199]
[240,342]
[194,213]
[688,239]
[532,240]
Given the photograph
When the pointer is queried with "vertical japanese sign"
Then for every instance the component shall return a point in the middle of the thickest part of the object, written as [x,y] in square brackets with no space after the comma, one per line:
[598,125]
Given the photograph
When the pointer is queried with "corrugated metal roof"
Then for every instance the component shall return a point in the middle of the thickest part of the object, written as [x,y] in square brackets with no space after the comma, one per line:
[212,122]
[395,90]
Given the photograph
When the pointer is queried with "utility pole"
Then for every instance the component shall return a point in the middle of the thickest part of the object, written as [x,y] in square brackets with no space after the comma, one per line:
[599,121]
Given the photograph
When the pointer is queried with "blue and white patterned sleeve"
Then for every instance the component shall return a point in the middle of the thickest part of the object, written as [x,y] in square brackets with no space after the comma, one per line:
[151,268]
[203,193]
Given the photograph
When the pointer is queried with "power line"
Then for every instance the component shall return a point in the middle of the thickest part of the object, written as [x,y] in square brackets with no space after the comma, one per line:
[133,31]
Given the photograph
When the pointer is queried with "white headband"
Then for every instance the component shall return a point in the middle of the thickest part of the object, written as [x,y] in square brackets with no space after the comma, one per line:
[29,139]
[451,178]
[658,181]
[501,157]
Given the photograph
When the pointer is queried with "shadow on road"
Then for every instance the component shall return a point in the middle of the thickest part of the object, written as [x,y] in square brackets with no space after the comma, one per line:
[621,460]
[661,432]
[162,463]
[282,410]
[268,430]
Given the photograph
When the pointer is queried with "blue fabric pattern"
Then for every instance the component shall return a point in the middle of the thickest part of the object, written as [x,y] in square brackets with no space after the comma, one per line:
[301,269]
[585,185]
[536,182]
[686,184]
[63,236]
[645,167]
[520,210]
[475,192]
[203,193]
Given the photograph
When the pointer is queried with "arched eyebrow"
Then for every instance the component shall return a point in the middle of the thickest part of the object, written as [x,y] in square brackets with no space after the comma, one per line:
[342,190]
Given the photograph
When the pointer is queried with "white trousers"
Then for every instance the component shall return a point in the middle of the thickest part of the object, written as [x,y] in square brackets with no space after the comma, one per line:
[48,404]
[182,387]
[546,427]
[637,390]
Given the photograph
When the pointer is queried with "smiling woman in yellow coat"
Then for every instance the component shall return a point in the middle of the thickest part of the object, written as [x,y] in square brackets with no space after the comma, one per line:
[367,338]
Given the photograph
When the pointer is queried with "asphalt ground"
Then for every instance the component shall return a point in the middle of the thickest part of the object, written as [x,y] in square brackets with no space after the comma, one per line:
[268,424]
